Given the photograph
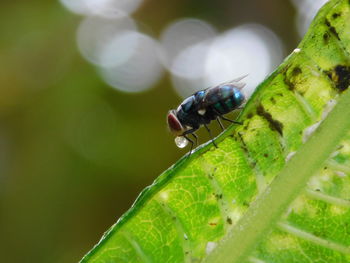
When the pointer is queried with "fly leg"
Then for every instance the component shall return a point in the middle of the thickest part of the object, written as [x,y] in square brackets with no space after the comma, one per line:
[236,122]
[211,136]
[191,131]
[195,138]
[222,126]
[224,118]
[192,143]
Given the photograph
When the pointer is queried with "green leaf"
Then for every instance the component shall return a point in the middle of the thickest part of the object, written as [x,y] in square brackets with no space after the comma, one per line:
[249,200]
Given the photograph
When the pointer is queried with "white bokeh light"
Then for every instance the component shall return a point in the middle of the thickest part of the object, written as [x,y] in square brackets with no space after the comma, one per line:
[182,34]
[307,9]
[104,8]
[119,50]
[190,49]
[142,68]
[95,34]
[187,86]
[190,63]
[188,69]
[248,49]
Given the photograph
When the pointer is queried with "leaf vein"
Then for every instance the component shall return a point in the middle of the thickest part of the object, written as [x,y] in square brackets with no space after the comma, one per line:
[327,198]
[312,238]
[136,246]
[180,229]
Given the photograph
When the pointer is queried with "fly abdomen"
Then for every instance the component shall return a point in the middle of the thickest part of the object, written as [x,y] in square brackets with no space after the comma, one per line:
[230,103]
[222,107]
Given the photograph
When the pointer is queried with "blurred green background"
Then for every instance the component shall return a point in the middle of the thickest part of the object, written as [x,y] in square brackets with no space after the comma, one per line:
[74,152]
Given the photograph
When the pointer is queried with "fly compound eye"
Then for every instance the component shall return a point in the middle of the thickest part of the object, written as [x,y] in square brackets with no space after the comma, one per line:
[174,124]
[181,141]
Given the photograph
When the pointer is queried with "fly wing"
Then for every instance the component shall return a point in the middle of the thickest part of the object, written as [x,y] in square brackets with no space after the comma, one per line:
[217,94]
[221,92]
[238,79]
[236,82]
[238,85]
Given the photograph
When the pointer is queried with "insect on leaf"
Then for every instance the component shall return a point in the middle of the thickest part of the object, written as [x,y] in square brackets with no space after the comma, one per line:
[275,190]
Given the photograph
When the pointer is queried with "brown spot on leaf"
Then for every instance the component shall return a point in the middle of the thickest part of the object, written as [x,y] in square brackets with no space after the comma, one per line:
[296,71]
[340,75]
[335,15]
[274,124]
[326,37]
[332,29]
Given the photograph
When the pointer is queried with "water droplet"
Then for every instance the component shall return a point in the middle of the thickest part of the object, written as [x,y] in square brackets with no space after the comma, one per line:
[181,141]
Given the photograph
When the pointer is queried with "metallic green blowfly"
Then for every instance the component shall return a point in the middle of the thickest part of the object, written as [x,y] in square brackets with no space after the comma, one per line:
[202,107]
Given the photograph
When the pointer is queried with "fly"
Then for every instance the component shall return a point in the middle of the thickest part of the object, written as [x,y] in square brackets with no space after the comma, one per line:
[203,107]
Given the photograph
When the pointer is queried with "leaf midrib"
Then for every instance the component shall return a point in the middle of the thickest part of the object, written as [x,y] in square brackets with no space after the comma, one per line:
[269,206]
